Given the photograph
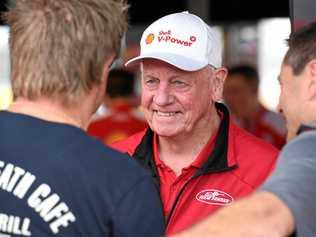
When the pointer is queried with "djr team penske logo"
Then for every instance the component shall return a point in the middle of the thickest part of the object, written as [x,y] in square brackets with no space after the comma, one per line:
[214,197]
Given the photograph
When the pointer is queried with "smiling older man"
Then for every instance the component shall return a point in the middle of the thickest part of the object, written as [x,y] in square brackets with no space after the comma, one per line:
[200,160]
[287,198]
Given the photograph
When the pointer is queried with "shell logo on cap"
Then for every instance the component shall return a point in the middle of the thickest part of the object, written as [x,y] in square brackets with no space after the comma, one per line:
[150,38]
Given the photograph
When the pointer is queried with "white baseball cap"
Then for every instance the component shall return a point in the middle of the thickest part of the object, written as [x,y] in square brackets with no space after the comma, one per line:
[183,40]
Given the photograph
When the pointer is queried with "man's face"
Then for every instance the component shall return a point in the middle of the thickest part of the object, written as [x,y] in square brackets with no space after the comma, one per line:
[290,101]
[239,95]
[177,102]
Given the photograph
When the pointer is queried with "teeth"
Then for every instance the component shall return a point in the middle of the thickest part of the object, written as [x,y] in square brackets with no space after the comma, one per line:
[165,114]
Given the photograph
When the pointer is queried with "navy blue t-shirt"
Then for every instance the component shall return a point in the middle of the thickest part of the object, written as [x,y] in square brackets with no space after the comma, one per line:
[55,180]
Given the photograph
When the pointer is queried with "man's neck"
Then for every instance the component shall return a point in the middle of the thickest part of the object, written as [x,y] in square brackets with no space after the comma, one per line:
[179,152]
[51,111]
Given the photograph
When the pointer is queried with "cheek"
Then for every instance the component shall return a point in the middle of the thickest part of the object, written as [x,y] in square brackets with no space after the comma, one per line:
[288,106]
[196,106]
[146,99]
[189,105]
[188,99]
[283,99]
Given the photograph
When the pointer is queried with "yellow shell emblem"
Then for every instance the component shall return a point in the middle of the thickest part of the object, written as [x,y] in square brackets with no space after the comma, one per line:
[150,38]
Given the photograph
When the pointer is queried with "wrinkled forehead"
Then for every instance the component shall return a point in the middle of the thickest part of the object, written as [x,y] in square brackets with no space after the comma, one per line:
[156,64]
[150,63]
[157,67]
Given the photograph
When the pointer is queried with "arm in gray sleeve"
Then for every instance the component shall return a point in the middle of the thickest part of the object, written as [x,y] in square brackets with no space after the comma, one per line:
[293,182]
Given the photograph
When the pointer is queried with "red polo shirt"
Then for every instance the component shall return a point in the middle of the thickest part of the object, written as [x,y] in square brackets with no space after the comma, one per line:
[170,184]
[232,165]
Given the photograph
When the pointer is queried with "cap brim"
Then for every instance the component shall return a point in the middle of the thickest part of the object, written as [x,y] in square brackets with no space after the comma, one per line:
[184,63]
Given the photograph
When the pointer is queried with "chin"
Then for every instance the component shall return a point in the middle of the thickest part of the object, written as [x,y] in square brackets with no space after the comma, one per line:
[165,132]
[290,136]
[291,133]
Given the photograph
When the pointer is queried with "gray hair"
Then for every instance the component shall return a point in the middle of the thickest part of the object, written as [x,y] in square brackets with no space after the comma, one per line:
[302,48]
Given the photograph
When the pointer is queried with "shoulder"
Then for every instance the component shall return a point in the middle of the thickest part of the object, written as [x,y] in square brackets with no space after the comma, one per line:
[255,158]
[129,144]
[248,144]
[101,162]
[303,146]
[305,140]
[275,121]
[292,180]
[297,158]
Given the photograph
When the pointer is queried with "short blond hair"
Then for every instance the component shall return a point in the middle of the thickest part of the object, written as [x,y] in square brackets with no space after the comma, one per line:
[58,47]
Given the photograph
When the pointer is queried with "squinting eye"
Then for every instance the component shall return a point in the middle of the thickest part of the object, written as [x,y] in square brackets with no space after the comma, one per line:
[151,83]
[179,84]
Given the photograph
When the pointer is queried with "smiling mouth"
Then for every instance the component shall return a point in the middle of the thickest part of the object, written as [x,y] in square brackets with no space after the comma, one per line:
[165,114]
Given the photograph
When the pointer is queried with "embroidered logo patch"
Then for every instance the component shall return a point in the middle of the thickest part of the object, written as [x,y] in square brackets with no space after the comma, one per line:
[214,197]
[150,38]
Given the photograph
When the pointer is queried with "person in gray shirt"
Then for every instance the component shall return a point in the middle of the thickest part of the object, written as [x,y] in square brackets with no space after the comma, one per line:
[297,192]
[285,203]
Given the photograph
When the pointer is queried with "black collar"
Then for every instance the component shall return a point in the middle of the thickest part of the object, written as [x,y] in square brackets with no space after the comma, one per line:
[304,128]
[217,160]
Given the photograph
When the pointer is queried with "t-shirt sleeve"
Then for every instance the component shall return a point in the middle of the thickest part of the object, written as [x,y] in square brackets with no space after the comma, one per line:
[293,181]
[139,212]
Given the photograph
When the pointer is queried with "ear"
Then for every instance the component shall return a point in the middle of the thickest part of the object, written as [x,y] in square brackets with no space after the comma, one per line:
[107,67]
[311,86]
[99,89]
[218,83]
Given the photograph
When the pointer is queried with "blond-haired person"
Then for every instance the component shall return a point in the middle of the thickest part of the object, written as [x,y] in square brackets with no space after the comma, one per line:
[56,180]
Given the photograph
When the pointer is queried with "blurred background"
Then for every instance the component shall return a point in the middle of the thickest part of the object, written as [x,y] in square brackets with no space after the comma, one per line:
[253,37]
[253,32]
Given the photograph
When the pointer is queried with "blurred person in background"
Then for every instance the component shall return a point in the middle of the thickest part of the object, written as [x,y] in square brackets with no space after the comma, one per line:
[55,180]
[241,97]
[285,204]
[122,117]
[200,160]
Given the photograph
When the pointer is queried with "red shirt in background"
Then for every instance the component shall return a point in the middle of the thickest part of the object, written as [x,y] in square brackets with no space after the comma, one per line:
[266,125]
[122,121]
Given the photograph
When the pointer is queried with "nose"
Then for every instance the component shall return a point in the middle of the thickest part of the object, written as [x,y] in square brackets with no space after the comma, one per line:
[163,96]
